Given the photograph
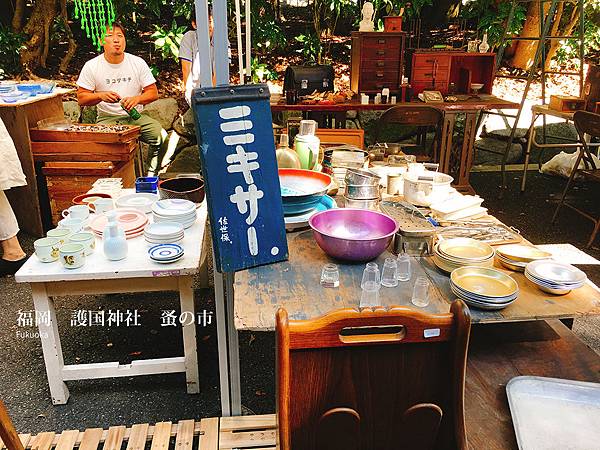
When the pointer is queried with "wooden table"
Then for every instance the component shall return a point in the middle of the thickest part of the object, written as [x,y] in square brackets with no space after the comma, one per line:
[136,273]
[19,118]
[454,159]
[294,285]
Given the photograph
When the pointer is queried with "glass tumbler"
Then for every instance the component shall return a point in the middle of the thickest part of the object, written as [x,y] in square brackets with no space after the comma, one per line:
[420,295]
[403,270]
[388,275]
[370,285]
[330,276]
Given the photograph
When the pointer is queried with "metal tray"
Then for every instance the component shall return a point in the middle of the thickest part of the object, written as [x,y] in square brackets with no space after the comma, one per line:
[552,413]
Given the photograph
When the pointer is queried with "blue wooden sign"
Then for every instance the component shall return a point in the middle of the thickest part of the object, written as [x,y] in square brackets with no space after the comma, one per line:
[237,151]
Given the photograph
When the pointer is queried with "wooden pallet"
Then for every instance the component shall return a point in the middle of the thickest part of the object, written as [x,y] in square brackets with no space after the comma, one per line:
[225,433]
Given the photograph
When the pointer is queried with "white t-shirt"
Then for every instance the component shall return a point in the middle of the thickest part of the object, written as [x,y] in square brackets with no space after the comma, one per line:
[126,79]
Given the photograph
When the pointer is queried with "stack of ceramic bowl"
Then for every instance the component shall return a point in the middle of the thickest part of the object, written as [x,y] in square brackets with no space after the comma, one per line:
[139,200]
[450,254]
[554,277]
[165,253]
[484,287]
[362,189]
[175,210]
[131,221]
[517,256]
[110,186]
[163,233]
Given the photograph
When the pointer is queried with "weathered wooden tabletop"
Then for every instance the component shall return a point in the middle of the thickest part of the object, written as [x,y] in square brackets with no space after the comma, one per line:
[294,285]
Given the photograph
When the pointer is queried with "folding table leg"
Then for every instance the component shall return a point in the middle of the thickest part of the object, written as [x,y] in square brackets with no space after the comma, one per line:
[186,297]
[53,357]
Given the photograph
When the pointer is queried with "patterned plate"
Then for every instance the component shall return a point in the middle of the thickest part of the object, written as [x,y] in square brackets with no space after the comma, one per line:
[165,252]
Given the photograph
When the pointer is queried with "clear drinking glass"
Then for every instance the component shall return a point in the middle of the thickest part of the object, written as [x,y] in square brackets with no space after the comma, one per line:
[403,268]
[370,285]
[420,295]
[388,275]
[330,276]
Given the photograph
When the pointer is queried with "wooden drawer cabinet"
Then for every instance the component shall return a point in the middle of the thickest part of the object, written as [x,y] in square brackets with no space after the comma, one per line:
[433,70]
[377,62]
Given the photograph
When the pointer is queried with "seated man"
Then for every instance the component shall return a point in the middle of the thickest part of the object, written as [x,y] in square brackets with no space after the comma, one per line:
[118,82]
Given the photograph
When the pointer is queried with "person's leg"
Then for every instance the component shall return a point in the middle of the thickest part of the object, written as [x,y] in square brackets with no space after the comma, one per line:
[151,135]
[13,255]
[114,120]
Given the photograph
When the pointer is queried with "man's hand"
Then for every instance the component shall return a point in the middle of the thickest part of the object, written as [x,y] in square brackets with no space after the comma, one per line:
[130,102]
[109,96]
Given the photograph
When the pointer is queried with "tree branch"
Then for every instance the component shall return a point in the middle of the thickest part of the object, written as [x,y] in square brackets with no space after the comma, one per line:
[64,62]
[17,20]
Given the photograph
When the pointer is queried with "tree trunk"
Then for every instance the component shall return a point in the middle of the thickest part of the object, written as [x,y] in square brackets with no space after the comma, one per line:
[567,31]
[38,32]
[525,50]
[17,21]
[64,62]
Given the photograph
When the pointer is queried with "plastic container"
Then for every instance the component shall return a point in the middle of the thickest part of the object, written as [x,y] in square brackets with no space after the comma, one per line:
[307,144]
[286,157]
[146,184]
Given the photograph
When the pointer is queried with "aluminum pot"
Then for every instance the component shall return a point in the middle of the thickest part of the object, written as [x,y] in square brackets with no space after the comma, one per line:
[361,204]
[362,192]
[426,188]
[187,188]
[362,177]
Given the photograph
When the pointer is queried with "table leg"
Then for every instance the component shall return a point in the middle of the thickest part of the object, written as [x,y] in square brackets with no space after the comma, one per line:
[446,141]
[53,357]
[186,298]
[528,150]
[468,150]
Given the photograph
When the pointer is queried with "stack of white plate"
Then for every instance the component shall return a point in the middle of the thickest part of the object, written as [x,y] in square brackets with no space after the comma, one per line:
[484,287]
[165,253]
[517,256]
[139,200]
[163,233]
[450,254]
[175,210]
[554,277]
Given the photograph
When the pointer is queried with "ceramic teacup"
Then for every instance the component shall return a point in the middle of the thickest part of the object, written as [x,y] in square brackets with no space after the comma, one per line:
[77,212]
[47,249]
[72,256]
[88,240]
[73,225]
[102,205]
[61,233]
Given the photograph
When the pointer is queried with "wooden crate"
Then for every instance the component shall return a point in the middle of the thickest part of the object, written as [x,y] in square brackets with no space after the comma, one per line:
[66,180]
[49,135]
[566,103]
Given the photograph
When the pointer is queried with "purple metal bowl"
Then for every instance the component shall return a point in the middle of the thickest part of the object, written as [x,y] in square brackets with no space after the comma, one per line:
[353,234]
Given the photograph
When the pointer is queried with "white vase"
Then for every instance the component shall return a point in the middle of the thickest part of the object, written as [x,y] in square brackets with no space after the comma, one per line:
[114,241]
[484,46]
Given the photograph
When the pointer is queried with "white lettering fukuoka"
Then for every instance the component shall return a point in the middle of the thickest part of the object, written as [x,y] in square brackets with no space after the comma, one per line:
[236,128]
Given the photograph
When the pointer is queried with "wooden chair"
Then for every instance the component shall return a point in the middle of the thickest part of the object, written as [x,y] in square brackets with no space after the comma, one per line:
[420,116]
[338,136]
[8,434]
[372,380]
[586,123]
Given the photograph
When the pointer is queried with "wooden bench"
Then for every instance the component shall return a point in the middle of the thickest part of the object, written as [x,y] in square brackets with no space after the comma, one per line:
[498,352]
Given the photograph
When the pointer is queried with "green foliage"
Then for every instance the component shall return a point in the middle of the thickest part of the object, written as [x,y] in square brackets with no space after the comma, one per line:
[261,72]
[167,41]
[312,48]
[490,17]
[11,44]
[267,35]
[569,50]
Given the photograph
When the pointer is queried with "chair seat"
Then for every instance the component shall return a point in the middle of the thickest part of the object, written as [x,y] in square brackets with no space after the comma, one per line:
[592,174]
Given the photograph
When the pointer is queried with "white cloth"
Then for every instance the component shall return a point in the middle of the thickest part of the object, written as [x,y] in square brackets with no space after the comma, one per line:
[127,79]
[8,222]
[11,173]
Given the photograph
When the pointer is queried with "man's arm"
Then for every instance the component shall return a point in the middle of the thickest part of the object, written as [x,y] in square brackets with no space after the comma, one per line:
[186,68]
[148,95]
[85,97]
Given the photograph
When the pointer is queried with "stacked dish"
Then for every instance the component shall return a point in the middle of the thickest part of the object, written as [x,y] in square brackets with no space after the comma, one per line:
[165,253]
[7,87]
[517,256]
[140,200]
[362,189]
[483,287]
[554,277]
[163,233]
[302,190]
[175,210]
[132,221]
[454,253]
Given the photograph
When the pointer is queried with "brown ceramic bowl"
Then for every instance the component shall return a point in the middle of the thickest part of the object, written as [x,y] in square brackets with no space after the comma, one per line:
[188,188]
[86,199]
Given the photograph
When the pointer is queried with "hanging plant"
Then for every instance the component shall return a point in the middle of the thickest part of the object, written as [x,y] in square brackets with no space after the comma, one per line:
[96,16]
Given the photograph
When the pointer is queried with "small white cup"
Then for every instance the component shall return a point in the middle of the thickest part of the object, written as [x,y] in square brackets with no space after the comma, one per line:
[364,99]
[88,240]
[73,225]
[61,233]
[77,212]
[47,249]
[72,256]
[102,205]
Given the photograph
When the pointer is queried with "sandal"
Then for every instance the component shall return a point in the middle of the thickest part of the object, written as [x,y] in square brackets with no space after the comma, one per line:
[11,267]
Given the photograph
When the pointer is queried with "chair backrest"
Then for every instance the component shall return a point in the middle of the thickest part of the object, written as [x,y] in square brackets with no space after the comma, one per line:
[339,136]
[412,115]
[587,123]
[8,434]
[374,379]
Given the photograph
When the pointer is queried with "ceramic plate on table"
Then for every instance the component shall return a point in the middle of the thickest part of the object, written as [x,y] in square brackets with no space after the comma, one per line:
[164,229]
[165,252]
[173,207]
[301,220]
[129,220]
[140,200]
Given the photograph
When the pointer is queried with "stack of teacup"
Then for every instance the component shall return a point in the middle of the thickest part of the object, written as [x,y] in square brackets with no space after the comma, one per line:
[362,189]
[68,242]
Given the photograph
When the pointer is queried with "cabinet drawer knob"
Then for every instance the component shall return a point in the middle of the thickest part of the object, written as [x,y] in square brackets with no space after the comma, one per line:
[380,63]
[430,60]
[429,75]
[381,52]
[379,74]
[381,41]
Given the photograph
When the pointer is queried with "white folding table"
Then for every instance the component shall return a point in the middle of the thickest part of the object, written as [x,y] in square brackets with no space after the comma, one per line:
[136,273]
